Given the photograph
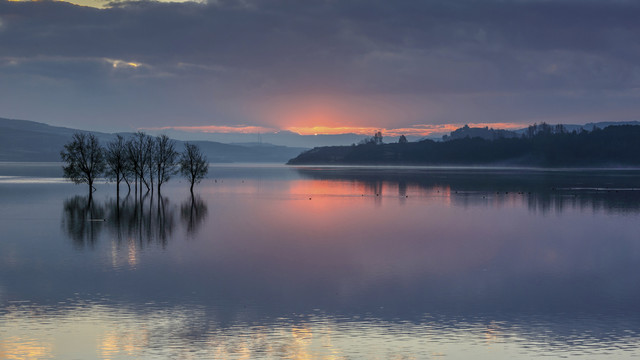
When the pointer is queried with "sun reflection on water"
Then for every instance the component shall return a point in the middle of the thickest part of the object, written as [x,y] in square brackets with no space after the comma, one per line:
[105,331]
[325,268]
[24,348]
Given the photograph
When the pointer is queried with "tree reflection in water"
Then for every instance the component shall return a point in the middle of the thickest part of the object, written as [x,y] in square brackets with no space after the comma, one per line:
[82,220]
[151,219]
[193,212]
[541,191]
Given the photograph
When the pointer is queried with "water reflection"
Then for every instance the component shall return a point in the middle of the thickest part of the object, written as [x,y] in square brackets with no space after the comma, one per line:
[83,220]
[538,190]
[158,332]
[146,220]
[193,213]
[331,264]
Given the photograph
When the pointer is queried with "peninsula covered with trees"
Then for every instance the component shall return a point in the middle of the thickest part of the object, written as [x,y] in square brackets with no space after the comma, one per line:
[538,145]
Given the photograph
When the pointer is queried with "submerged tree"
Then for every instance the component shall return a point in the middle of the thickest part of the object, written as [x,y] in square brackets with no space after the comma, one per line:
[138,156]
[164,159]
[148,164]
[193,164]
[117,163]
[84,160]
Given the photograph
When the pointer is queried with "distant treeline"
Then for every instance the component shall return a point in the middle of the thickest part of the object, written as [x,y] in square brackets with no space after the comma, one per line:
[541,145]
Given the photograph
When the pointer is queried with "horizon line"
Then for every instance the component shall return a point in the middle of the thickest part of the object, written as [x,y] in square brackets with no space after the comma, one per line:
[413,130]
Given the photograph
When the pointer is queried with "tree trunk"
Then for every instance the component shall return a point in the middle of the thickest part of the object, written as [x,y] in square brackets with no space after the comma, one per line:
[127,181]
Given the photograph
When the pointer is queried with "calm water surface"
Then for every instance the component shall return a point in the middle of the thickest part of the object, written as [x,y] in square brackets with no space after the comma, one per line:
[272,262]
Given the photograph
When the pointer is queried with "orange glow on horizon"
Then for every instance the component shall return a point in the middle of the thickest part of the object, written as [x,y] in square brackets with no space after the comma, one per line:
[415,130]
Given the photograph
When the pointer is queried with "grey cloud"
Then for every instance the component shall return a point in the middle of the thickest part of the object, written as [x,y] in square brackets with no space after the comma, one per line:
[312,41]
[234,48]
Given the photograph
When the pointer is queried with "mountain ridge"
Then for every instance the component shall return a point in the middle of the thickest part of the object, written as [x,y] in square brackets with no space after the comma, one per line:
[31,141]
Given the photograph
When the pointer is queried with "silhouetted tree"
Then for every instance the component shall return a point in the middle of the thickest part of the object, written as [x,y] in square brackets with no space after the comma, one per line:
[84,160]
[149,168]
[137,152]
[545,129]
[164,159]
[532,130]
[366,141]
[618,145]
[402,140]
[132,157]
[377,138]
[193,164]
[117,161]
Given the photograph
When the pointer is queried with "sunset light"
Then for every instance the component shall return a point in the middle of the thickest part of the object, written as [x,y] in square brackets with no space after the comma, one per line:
[121,63]
[319,180]
[416,130]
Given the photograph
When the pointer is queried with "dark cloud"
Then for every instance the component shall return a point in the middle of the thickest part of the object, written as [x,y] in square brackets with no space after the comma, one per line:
[176,52]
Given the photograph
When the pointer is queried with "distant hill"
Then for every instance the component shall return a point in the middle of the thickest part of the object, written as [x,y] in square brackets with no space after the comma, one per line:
[30,141]
[488,133]
[484,133]
[283,138]
[587,126]
[22,140]
[611,146]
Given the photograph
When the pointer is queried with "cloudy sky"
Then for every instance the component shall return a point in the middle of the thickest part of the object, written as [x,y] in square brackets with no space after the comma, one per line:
[332,66]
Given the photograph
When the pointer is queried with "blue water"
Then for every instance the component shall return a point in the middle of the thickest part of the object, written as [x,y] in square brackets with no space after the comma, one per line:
[270,262]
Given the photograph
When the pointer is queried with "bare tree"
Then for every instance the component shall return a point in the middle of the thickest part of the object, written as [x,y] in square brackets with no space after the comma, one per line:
[117,161]
[134,163]
[164,159]
[84,160]
[149,145]
[193,164]
[137,154]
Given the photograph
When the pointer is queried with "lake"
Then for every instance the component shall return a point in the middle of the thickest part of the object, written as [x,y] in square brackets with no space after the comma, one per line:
[276,262]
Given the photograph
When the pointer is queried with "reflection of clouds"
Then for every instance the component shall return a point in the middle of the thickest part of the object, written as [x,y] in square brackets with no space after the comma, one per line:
[194,332]
[488,254]
[430,252]
[124,340]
